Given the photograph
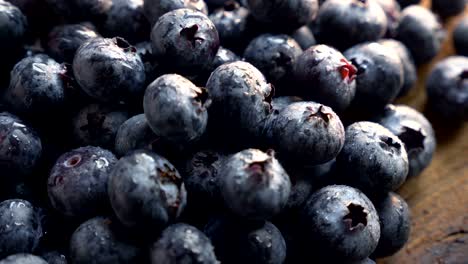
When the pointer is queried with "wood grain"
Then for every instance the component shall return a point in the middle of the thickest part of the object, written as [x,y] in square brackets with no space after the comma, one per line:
[439,196]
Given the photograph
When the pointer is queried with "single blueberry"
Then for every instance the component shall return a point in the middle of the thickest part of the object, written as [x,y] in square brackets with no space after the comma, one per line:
[100,240]
[176,109]
[23,258]
[135,133]
[344,23]
[182,243]
[373,159]
[416,133]
[304,37]
[324,75]
[13,28]
[393,12]
[421,33]
[146,191]
[342,223]
[109,70]
[20,227]
[254,184]
[447,88]
[77,184]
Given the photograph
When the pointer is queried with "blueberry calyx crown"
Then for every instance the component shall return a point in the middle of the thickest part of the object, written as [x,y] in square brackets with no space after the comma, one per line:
[388,143]
[319,114]
[413,139]
[189,33]
[356,218]
[348,71]
[73,161]
[124,45]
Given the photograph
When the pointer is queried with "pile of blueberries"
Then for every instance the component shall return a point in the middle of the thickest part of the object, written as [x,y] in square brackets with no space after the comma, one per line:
[216,131]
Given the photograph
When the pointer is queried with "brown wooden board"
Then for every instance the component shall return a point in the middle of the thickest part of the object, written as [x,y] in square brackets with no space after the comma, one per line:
[439,196]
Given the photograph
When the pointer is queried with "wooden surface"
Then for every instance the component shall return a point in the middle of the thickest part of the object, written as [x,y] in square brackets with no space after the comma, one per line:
[439,197]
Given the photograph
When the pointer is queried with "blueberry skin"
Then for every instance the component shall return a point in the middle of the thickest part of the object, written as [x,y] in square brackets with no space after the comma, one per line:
[20,146]
[183,244]
[421,33]
[274,56]
[373,159]
[97,125]
[109,70]
[146,191]
[241,100]
[135,133]
[98,241]
[77,184]
[447,88]
[342,24]
[392,11]
[64,40]
[395,224]
[342,223]
[410,74]
[306,132]
[126,19]
[188,48]
[416,133]
[405,3]
[324,75]
[281,102]
[20,227]
[446,8]
[54,257]
[379,76]
[23,258]
[254,184]
[176,109]
[238,242]
[13,28]
[223,56]
[232,24]
[304,37]
[202,178]
[154,9]
[37,86]
[284,15]
[460,37]
[153,68]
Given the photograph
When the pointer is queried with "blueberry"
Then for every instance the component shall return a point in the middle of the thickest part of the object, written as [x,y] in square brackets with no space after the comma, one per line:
[176,109]
[446,8]
[281,102]
[421,33]
[182,243]
[154,9]
[77,184]
[447,88]
[393,12]
[146,191]
[125,19]
[232,21]
[460,37]
[54,257]
[223,56]
[416,133]
[20,146]
[304,37]
[35,12]
[37,86]
[188,48]
[135,133]
[96,10]
[97,125]
[405,3]
[395,225]
[284,15]
[308,132]
[274,56]
[241,101]
[238,242]
[23,258]
[64,40]
[379,75]
[13,28]
[324,75]
[20,227]
[153,68]
[343,24]
[410,75]
[98,240]
[254,184]
[373,159]
[109,70]
[342,223]
[301,189]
